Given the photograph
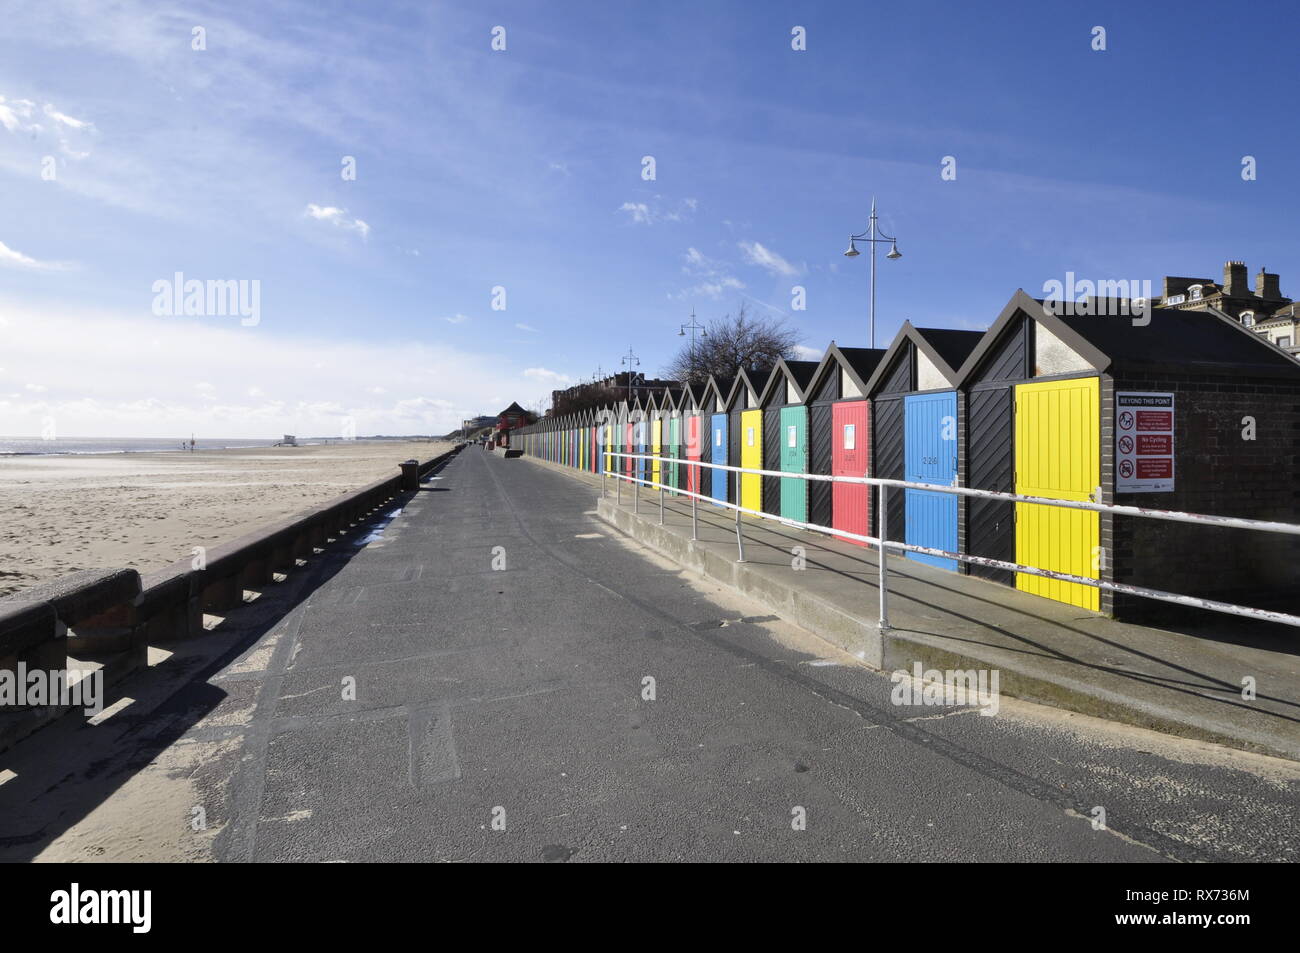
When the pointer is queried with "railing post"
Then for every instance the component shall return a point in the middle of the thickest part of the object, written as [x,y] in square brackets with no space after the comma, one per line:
[740,538]
[636,490]
[661,500]
[882,521]
[695,519]
[618,482]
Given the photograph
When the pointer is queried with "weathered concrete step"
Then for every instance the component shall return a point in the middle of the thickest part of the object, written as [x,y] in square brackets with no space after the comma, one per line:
[1178,682]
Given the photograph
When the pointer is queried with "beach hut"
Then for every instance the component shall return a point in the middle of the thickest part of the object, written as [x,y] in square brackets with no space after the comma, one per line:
[719,436]
[839,438]
[914,433]
[655,422]
[745,427]
[1156,409]
[673,439]
[785,438]
[640,436]
[695,425]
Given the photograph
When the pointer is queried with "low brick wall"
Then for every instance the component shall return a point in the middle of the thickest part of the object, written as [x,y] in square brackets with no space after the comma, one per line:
[116,615]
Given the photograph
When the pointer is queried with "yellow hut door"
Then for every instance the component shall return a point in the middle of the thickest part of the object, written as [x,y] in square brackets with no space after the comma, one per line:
[656,447]
[751,458]
[1058,456]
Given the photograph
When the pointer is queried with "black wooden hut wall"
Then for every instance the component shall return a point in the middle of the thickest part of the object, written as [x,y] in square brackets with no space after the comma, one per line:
[990,449]
[733,439]
[887,449]
[820,446]
[772,445]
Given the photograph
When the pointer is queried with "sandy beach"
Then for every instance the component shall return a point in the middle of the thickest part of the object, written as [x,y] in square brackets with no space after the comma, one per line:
[146,510]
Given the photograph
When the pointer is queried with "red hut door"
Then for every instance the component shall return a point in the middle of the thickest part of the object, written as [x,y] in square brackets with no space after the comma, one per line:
[850,446]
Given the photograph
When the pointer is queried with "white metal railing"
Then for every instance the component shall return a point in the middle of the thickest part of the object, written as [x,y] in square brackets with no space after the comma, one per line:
[882,545]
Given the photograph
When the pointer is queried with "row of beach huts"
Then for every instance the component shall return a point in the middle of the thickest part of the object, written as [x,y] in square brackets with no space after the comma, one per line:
[1174,410]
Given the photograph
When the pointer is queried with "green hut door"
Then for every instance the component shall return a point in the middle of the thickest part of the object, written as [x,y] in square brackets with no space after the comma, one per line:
[794,459]
[674,450]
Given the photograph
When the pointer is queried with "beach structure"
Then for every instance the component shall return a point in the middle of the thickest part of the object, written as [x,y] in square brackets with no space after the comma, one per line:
[839,437]
[747,437]
[719,436]
[1171,409]
[914,434]
[785,438]
[1167,409]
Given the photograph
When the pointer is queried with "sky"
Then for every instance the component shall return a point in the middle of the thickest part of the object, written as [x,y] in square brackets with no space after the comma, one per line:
[425,227]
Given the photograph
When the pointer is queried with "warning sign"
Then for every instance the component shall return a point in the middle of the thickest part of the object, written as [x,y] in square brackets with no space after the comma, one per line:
[1144,442]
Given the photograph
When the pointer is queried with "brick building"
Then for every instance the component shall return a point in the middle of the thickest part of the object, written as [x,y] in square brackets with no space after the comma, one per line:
[1263,307]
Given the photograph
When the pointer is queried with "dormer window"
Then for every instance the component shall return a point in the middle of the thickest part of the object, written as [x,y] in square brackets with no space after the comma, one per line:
[1195,292]
[1248,318]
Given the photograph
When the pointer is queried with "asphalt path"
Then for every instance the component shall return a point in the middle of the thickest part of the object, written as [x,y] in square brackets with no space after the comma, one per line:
[493,674]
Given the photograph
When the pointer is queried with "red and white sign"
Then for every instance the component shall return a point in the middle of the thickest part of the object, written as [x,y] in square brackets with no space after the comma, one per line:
[1144,442]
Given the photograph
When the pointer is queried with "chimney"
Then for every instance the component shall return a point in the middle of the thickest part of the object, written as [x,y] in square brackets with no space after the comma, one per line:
[1267,286]
[1235,280]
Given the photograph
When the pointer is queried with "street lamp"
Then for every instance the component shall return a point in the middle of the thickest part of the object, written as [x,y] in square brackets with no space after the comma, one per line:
[631,360]
[681,331]
[874,236]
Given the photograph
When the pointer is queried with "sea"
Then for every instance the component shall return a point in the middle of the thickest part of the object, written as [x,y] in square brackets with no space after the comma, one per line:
[28,446]
[23,446]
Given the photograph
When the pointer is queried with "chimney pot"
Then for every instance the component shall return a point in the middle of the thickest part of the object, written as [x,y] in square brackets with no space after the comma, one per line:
[1268,286]
[1235,279]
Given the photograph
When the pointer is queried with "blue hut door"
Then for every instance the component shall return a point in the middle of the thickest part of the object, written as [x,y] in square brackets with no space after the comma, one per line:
[930,456]
[718,434]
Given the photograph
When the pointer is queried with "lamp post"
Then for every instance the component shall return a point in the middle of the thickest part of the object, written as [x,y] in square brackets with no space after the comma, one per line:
[874,236]
[693,327]
[631,360]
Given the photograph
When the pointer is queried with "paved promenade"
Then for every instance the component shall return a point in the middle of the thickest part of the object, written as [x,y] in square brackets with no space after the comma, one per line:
[493,673]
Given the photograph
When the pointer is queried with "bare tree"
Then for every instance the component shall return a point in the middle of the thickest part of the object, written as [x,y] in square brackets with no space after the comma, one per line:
[733,342]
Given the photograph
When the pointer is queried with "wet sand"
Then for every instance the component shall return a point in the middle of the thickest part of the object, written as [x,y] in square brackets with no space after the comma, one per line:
[144,511]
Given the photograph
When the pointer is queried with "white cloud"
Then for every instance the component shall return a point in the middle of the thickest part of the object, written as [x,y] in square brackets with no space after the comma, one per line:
[339,217]
[805,353]
[715,275]
[112,375]
[15,112]
[639,211]
[756,254]
[456,319]
[547,376]
[65,119]
[16,259]
[20,117]
[643,213]
[525,327]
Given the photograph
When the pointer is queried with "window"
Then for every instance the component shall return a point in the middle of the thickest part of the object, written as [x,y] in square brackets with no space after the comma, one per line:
[1195,291]
[1248,318]
[1284,341]
[749,436]
[850,436]
[717,438]
[791,436]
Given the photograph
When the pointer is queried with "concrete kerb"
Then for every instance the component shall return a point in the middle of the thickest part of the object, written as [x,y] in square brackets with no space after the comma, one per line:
[112,616]
[1045,672]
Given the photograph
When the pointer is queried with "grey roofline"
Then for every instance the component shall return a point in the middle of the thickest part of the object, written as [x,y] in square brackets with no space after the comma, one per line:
[742,380]
[834,354]
[1224,316]
[716,391]
[908,332]
[1022,303]
[785,375]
